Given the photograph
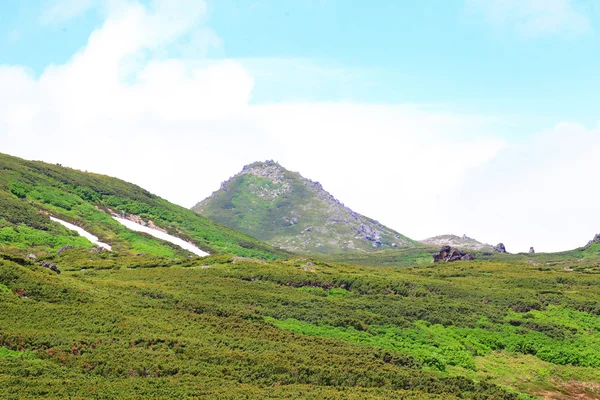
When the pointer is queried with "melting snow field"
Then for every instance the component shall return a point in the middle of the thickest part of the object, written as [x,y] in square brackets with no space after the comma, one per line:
[162,235]
[82,232]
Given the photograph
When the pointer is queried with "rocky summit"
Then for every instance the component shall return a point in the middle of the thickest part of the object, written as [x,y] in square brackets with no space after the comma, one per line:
[285,209]
[460,242]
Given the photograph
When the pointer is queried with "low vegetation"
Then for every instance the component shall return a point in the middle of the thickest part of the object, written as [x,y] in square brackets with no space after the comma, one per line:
[225,327]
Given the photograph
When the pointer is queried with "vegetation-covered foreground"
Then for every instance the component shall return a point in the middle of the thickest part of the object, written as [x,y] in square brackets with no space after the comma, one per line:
[30,190]
[224,328]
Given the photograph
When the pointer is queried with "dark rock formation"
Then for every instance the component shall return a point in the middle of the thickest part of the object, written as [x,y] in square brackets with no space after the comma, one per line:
[63,249]
[50,266]
[499,248]
[450,254]
[531,250]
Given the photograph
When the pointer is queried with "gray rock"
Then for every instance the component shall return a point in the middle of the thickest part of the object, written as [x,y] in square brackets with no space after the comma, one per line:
[531,250]
[500,248]
[32,257]
[50,266]
[451,254]
[63,249]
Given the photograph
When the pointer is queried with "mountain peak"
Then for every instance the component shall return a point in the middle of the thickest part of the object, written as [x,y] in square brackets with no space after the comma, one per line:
[282,207]
[262,164]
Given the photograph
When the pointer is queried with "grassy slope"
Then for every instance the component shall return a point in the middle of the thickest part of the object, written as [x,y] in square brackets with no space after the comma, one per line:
[244,206]
[26,187]
[301,328]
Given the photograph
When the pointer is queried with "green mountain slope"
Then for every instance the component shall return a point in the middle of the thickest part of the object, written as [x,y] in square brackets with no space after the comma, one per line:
[31,191]
[281,207]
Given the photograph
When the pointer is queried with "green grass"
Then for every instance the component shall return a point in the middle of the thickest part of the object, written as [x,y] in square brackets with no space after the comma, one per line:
[6,353]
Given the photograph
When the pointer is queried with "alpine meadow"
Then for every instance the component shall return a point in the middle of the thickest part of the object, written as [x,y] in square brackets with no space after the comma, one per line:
[276,199]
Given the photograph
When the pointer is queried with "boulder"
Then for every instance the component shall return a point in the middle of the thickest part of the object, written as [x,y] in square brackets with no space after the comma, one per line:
[531,250]
[32,257]
[499,248]
[50,266]
[451,254]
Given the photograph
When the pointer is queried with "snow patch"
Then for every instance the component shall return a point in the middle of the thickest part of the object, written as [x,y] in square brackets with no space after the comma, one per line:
[82,232]
[161,235]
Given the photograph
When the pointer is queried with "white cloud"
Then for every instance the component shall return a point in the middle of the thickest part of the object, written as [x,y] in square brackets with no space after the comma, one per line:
[540,192]
[179,126]
[59,11]
[534,17]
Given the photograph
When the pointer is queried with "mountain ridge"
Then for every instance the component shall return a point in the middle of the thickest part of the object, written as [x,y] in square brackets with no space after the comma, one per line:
[460,242]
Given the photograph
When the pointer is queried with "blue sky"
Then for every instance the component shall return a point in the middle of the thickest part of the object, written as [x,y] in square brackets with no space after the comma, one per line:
[430,52]
[432,116]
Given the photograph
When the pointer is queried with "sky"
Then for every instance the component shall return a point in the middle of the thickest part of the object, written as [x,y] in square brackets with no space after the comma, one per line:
[477,117]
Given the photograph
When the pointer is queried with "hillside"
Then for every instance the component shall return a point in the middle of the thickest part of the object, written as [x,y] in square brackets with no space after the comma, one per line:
[286,210]
[32,192]
[461,242]
[301,328]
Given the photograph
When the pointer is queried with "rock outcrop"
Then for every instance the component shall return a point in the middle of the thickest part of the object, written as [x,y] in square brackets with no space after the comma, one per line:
[451,254]
[531,250]
[64,248]
[50,266]
[500,248]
